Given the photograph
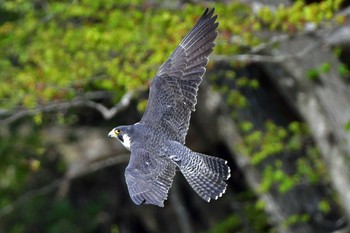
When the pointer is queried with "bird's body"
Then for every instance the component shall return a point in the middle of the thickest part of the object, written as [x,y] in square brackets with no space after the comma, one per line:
[157,141]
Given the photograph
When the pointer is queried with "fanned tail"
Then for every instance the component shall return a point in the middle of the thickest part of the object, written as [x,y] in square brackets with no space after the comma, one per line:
[206,174]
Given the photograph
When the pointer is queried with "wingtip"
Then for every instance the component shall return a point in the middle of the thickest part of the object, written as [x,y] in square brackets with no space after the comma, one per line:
[208,13]
[212,10]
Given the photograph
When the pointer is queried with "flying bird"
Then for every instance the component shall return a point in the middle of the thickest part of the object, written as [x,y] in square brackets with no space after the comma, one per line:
[157,141]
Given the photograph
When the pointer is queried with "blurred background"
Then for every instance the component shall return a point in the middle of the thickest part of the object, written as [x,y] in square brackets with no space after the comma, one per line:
[274,102]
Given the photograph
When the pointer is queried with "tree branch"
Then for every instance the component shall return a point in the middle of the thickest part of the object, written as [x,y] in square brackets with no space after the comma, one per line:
[272,41]
[98,165]
[108,113]
[264,58]
[78,102]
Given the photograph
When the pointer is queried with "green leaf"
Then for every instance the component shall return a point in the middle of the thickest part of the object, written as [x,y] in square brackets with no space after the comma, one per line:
[343,70]
[347,126]
[246,126]
[324,206]
[313,74]
[325,67]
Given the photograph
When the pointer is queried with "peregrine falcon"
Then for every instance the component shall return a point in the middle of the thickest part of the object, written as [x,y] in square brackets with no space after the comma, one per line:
[157,141]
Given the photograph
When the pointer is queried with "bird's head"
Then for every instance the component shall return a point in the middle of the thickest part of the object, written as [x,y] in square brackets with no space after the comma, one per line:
[121,133]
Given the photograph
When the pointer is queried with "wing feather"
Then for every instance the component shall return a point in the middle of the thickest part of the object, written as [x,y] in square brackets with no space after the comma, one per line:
[149,178]
[173,92]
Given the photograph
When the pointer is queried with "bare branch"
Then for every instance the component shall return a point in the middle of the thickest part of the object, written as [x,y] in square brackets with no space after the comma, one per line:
[78,102]
[272,41]
[98,165]
[264,58]
[109,113]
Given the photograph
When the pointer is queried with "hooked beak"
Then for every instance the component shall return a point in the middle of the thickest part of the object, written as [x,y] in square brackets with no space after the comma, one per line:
[112,134]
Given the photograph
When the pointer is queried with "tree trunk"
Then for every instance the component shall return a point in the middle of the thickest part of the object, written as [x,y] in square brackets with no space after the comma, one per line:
[213,114]
[324,104]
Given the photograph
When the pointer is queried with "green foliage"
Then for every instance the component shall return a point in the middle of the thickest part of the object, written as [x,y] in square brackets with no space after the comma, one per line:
[235,98]
[60,50]
[347,126]
[294,18]
[248,217]
[246,126]
[69,48]
[62,217]
[18,160]
[274,175]
[228,225]
[324,206]
[325,67]
[115,229]
[296,219]
[247,82]
[306,171]
[343,70]
[275,140]
[261,145]
[313,74]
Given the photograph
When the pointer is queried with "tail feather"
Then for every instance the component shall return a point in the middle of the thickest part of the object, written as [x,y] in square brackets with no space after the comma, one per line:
[206,174]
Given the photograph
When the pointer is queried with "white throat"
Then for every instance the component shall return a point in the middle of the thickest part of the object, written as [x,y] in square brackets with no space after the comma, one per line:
[126,141]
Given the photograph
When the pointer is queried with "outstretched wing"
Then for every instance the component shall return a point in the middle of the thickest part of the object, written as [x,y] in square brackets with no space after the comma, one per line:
[173,92]
[149,178]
